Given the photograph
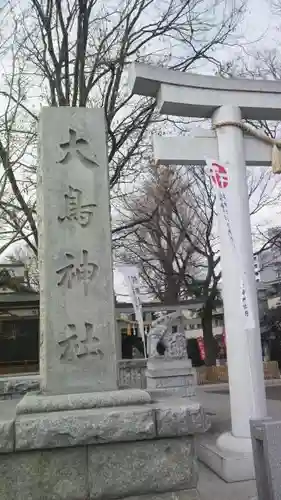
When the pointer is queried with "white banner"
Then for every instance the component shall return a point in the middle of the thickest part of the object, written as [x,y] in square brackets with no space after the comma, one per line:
[132,279]
[226,212]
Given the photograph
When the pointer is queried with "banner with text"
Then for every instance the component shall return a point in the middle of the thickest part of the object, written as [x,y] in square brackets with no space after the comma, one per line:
[132,280]
[226,213]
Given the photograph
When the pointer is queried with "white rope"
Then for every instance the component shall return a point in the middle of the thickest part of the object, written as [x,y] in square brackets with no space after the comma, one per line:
[275,143]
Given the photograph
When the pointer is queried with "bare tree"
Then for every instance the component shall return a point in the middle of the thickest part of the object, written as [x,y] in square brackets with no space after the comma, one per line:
[178,247]
[17,155]
[77,53]
[158,243]
[260,185]
[276,6]
[265,64]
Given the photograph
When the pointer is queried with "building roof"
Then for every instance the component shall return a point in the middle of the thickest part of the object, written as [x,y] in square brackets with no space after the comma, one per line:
[25,299]
[10,265]
[193,304]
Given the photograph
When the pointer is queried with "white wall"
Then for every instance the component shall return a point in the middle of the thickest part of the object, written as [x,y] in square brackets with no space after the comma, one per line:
[194,334]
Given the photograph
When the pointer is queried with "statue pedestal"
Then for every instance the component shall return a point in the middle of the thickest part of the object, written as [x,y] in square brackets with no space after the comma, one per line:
[171,377]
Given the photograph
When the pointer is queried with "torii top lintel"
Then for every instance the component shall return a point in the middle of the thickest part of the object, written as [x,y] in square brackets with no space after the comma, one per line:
[192,95]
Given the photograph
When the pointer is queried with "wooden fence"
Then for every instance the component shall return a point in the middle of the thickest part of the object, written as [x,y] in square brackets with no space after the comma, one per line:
[219,374]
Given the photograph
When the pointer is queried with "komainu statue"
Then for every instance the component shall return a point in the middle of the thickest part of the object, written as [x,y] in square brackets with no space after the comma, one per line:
[169,371]
[167,337]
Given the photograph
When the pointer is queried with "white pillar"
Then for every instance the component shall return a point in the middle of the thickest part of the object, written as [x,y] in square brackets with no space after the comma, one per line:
[246,380]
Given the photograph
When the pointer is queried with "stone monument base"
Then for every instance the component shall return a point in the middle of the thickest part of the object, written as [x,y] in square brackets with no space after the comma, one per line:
[140,450]
[171,377]
[232,466]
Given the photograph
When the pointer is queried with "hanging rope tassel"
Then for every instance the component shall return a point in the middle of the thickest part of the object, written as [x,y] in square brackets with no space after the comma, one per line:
[276,144]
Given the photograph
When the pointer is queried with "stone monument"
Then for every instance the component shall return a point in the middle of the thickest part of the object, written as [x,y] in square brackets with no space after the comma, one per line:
[76,299]
[169,371]
[79,438]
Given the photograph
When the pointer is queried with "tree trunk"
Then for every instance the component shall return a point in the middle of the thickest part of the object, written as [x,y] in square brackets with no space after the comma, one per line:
[171,297]
[171,294]
[210,342]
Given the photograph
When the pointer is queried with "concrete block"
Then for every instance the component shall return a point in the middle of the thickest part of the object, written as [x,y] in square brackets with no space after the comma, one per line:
[82,427]
[230,466]
[266,440]
[148,467]
[45,475]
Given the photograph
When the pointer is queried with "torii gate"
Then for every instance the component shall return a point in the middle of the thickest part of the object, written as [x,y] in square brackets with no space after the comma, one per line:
[224,100]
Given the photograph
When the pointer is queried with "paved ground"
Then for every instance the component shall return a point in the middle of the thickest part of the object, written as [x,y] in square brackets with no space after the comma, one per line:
[272,392]
[211,487]
[216,402]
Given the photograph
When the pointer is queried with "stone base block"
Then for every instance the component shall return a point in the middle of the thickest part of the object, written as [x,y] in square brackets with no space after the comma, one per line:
[58,474]
[100,453]
[176,377]
[46,403]
[174,366]
[150,467]
[178,417]
[157,469]
[174,392]
[230,466]
[171,386]
[84,427]
[62,429]
[172,495]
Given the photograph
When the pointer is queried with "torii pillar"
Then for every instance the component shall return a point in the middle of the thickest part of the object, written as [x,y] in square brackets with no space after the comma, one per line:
[224,100]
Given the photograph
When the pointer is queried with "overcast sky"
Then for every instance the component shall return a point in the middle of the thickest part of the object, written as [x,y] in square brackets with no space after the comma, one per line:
[259,20]
[260,30]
